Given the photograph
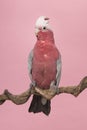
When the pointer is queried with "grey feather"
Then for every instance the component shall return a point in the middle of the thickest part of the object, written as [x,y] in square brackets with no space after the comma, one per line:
[59,67]
[58,74]
[30,58]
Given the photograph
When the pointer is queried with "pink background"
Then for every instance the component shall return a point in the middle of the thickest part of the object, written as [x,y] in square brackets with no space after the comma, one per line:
[17,38]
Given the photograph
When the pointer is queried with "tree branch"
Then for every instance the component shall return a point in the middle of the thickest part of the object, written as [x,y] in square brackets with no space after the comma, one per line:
[49,93]
[75,90]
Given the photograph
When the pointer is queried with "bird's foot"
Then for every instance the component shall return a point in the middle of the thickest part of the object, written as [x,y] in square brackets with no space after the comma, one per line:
[33,84]
[53,87]
[46,93]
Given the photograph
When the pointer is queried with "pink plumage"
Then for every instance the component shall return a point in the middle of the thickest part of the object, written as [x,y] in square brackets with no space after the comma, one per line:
[44,66]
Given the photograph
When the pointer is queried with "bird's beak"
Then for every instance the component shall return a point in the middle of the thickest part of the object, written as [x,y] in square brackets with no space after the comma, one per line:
[36,31]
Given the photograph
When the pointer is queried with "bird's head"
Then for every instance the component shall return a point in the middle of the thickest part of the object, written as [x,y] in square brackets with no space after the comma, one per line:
[42,29]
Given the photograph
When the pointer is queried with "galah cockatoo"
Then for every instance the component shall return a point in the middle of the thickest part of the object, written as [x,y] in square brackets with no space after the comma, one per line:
[44,65]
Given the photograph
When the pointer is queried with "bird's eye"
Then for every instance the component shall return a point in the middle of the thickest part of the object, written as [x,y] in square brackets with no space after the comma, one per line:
[44,28]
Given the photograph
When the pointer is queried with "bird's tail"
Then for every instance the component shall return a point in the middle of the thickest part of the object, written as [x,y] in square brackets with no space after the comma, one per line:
[37,105]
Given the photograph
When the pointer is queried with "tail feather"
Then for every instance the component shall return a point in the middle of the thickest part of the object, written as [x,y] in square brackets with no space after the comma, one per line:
[36,105]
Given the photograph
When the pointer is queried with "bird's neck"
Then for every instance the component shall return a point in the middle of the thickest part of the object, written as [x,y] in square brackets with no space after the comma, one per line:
[45,41]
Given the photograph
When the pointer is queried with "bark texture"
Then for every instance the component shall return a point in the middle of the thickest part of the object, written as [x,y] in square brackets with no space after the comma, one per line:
[48,94]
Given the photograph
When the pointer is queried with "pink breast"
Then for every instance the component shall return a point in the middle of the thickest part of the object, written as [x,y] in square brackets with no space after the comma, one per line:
[44,73]
[44,64]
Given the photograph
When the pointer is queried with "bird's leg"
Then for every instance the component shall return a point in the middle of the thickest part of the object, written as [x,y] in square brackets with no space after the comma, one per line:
[48,93]
[33,84]
[54,87]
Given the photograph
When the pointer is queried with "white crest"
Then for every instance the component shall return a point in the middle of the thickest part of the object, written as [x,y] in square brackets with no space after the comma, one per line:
[41,22]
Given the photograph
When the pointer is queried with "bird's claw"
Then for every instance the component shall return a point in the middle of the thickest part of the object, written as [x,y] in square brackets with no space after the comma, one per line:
[32,84]
[53,87]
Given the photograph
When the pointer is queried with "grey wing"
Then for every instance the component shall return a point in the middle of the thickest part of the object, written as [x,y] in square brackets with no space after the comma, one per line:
[30,59]
[58,74]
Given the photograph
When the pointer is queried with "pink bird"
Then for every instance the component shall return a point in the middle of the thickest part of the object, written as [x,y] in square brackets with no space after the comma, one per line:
[44,65]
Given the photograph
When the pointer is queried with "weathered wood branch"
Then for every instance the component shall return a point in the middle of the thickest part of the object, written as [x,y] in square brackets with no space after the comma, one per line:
[49,93]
